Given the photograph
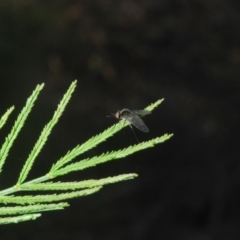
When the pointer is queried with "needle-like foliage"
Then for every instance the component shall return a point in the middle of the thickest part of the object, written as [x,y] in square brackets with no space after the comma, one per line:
[45,202]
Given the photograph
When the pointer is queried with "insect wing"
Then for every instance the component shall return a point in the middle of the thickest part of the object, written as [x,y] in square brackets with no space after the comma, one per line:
[136,121]
[141,113]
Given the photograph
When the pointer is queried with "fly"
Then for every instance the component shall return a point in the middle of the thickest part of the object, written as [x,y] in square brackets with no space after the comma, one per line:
[133,117]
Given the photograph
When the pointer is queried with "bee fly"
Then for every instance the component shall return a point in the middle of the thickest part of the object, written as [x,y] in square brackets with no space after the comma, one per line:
[133,117]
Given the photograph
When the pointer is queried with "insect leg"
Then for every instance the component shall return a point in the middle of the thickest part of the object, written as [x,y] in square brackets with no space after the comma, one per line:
[134,133]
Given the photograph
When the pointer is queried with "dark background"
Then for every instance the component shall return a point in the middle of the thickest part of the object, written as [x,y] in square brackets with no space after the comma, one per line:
[129,54]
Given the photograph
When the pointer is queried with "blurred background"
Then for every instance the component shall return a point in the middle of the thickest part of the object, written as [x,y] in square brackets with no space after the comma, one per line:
[128,54]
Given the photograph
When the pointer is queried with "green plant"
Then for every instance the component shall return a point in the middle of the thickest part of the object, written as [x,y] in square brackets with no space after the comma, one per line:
[29,207]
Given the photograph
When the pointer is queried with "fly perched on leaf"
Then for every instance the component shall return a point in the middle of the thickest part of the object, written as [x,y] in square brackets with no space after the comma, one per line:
[133,117]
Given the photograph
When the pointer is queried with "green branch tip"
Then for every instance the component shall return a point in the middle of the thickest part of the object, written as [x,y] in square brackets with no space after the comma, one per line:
[63,186]
[18,219]
[5,116]
[32,208]
[109,156]
[22,200]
